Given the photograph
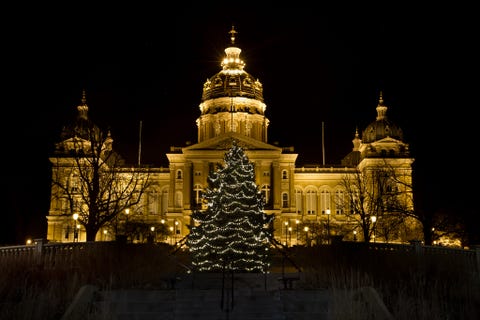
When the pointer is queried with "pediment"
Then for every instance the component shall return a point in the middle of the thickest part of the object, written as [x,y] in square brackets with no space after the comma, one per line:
[388,140]
[224,142]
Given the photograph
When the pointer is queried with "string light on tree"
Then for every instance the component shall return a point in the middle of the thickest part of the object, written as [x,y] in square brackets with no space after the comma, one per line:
[233,231]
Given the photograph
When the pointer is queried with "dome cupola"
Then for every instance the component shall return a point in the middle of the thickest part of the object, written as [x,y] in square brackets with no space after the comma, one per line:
[232,80]
[382,127]
[232,100]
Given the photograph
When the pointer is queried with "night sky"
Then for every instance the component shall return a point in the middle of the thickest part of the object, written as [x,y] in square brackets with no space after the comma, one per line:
[140,63]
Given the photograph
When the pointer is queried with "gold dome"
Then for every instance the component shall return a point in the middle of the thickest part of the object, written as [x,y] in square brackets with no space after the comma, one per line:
[232,82]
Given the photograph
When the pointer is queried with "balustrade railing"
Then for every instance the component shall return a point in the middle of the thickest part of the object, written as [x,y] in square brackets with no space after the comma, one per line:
[50,254]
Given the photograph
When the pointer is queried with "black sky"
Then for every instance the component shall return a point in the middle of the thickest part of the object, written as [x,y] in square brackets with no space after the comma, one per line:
[140,63]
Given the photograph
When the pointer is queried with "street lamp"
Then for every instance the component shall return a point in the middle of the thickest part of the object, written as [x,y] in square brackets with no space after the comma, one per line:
[290,235]
[328,224]
[152,229]
[374,219]
[163,234]
[75,227]
[306,235]
[354,235]
[286,233]
[171,239]
[127,211]
[175,231]
[297,222]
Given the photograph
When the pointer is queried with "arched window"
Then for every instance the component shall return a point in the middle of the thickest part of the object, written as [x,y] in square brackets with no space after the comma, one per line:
[284,174]
[311,202]
[325,201]
[355,204]
[218,82]
[298,201]
[164,201]
[74,183]
[179,174]
[339,201]
[153,202]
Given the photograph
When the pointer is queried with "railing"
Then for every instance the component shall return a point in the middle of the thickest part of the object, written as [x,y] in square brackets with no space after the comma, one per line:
[466,257]
[50,254]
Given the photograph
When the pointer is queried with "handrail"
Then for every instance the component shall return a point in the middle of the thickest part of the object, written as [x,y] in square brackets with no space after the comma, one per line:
[281,249]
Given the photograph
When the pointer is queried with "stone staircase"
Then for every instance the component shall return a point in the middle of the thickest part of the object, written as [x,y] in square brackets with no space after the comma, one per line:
[208,297]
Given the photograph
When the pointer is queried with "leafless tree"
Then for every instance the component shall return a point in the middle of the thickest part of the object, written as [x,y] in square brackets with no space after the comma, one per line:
[91,180]
[370,196]
[434,223]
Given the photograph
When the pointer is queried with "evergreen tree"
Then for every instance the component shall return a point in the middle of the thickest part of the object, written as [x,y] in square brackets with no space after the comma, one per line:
[233,232]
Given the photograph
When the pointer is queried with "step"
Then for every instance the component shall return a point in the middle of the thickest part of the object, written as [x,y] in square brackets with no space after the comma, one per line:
[245,302]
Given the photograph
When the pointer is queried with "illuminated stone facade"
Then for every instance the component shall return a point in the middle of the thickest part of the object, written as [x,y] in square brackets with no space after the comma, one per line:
[232,107]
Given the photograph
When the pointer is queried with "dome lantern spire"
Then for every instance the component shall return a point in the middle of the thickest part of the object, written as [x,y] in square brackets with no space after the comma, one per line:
[356,141]
[232,62]
[232,33]
[83,107]
[381,108]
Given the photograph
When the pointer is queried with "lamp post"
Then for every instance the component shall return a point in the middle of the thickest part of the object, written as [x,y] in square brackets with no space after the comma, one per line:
[328,224]
[175,231]
[75,227]
[306,235]
[286,233]
[290,235]
[152,229]
[171,239]
[127,211]
[297,222]
[374,219]
[354,235]
[162,231]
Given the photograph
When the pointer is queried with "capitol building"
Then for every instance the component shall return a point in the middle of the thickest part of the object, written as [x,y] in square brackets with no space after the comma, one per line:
[310,204]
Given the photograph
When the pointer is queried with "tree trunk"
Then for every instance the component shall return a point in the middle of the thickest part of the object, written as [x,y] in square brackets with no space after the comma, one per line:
[91,234]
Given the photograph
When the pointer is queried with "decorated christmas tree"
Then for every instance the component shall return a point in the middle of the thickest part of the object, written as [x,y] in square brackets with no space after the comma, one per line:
[233,232]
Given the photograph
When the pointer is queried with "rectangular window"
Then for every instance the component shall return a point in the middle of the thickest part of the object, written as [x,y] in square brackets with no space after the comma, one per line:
[285,200]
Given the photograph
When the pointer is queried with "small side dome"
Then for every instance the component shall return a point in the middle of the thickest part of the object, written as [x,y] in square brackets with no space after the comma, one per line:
[82,127]
[382,127]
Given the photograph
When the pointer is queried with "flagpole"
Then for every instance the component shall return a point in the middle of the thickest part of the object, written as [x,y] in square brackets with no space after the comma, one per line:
[323,143]
[140,143]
